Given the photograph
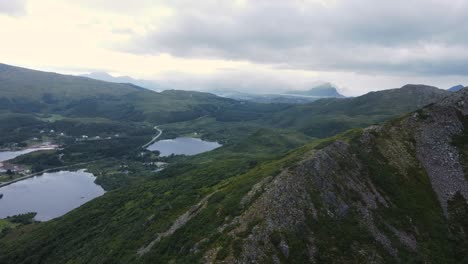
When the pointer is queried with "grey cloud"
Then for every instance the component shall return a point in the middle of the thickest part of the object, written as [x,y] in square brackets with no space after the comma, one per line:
[123,31]
[238,80]
[121,7]
[13,7]
[346,35]
[277,82]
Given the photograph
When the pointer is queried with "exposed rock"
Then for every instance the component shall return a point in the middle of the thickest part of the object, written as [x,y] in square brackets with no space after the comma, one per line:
[435,150]
[336,181]
[178,223]
[256,189]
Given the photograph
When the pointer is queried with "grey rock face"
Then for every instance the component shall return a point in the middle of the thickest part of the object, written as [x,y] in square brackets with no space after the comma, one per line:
[435,149]
[337,182]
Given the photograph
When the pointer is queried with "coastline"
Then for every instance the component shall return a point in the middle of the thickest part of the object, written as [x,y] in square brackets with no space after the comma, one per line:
[3,184]
[39,146]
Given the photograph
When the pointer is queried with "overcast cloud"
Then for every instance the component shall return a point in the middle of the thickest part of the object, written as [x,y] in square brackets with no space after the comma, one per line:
[261,45]
[12,7]
[391,37]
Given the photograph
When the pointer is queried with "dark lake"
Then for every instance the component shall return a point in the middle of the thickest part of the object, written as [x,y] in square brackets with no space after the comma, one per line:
[49,195]
[183,146]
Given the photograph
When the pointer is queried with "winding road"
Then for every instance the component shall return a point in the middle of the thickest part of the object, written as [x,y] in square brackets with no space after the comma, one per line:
[154,138]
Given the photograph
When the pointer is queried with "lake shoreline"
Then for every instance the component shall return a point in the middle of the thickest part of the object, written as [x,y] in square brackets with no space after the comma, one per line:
[183,146]
[44,145]
[60,192]
[46,171]
[18,169]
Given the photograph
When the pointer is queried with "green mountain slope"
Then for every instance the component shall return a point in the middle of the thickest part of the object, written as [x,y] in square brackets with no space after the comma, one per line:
[20,82]
[28,91]
[327,117]
[31,101]
[253,199]
[396,193]
[24,91]
[320,119]
[386,194]
[123,220]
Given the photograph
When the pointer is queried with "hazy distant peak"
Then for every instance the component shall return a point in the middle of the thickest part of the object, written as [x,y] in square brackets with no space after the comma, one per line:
[456,88]
[322,90]
[99,75]
[104,76]
[418,86]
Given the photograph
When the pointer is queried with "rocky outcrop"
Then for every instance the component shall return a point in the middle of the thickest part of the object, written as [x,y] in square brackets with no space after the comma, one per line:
[178,223]
[333,175]
[338,183]
[438,155]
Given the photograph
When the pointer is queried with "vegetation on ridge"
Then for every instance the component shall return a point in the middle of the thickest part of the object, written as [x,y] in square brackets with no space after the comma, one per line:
[280,187]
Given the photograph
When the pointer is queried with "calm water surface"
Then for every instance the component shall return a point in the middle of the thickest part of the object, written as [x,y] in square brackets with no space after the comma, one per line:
[49,195]
[8,155]
[183,146]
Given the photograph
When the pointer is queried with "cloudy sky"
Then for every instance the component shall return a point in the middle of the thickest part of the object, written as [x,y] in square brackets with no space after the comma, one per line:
[250,45]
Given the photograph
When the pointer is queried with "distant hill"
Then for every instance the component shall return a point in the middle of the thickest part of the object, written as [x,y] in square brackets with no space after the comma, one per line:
[326,90]
[32,92]
[22,82]
[455,88]
[104,76]
[323,91]
[270,98]
[29,91]
[326,117]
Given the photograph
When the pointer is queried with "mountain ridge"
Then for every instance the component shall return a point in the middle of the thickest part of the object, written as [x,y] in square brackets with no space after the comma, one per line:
[362,180]
[368,195]
[30,91]
[340,114]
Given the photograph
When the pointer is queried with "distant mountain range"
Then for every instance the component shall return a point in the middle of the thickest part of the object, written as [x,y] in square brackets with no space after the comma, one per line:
[265,98]
[326,90]
[104,76]
[340,114]
[30,92]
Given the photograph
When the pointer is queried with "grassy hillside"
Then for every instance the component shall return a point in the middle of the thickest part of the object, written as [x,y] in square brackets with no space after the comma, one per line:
[272,192]
[363,196]
[327,117]
[39,86]
[33,101]
[28,91]
[124,219]
[24,91]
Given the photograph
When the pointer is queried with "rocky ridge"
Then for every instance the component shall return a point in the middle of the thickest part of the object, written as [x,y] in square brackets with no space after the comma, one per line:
[358,193]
